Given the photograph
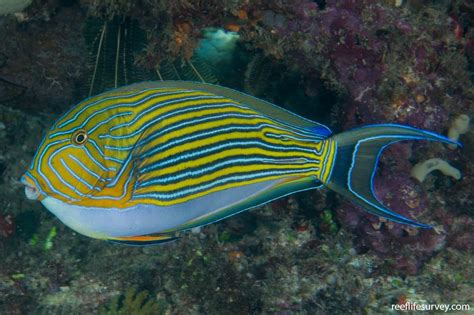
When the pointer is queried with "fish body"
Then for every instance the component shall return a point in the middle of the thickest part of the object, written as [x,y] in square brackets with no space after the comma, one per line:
[140,163]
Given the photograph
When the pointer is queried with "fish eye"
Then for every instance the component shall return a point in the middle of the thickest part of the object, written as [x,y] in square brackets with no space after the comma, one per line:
[79,137]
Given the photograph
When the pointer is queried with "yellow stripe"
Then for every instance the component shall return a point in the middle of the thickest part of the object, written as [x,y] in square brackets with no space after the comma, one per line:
[200,127]
[100,97]
[227,171]
[330,160]
[181,149]
[209,159]
[165,110]
[315,160]
[221,187]
[136,110]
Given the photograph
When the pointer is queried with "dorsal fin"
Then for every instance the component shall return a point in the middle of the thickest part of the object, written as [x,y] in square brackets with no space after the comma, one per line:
[275,112]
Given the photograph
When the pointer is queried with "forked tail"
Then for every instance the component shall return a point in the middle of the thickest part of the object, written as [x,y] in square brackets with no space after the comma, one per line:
[356,160]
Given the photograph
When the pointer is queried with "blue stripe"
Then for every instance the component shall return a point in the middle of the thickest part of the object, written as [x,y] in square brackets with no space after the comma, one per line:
[38,186]
[37,151]
[124,193]
[115,148]
[194,122]
[121,172]
[283,136]
[103,156]
[219,165]
[78,178]
[389,213]
[117,97]
[118,161]
[85,167]
[198,188]
[163,117]
[203,134]
[106,121]
[332,165]
[309,130]
[204,119]
[45,178]
[426,132]
[325,163]
[93,159]
[225,145]
[51,167]
[160,105]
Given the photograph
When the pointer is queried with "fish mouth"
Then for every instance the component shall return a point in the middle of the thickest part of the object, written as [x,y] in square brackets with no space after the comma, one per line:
[31,191]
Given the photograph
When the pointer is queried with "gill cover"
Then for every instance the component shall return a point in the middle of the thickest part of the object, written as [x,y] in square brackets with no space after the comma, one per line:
[68,165]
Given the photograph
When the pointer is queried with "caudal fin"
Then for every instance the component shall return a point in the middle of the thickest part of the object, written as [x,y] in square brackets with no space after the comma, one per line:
[356,160]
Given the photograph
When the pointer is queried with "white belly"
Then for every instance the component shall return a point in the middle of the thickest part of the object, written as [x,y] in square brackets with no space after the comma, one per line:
[146,219]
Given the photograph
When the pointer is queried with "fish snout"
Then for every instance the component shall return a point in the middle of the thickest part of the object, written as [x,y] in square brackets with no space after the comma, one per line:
[31,191]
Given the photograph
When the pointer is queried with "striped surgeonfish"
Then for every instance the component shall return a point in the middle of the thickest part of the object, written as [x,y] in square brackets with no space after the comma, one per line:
[140,163]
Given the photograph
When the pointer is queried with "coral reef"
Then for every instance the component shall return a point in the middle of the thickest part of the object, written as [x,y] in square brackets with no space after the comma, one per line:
[380,61]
